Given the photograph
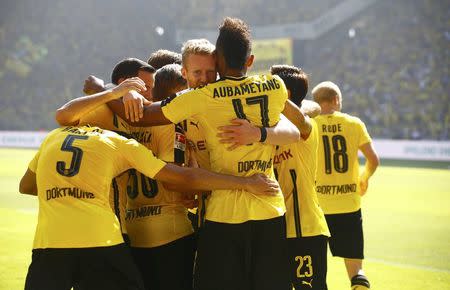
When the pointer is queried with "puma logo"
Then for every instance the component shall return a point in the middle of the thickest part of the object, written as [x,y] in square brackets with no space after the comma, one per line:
[195,124]
[308,283]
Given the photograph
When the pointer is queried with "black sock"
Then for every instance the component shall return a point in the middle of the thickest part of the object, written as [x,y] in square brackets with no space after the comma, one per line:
[360,280]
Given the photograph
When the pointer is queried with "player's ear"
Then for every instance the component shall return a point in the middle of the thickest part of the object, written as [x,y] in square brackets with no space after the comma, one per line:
[183,73]
[249,61]
[336,100]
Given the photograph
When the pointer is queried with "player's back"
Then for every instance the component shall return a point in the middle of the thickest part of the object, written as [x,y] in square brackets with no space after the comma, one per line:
[74,169]
[296,166]
[260,99]
[156,215]
[340,136]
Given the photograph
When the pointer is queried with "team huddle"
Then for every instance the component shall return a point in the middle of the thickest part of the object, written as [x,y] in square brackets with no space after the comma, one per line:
[186,173]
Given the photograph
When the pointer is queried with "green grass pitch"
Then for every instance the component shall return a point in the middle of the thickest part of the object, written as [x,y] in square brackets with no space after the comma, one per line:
[406,222]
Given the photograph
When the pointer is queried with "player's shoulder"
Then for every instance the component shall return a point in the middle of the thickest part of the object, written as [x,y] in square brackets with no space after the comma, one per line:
[348,118]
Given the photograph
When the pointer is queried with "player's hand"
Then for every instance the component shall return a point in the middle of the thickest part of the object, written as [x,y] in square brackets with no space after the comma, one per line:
[134,103]
[127,85]
[93,85]
[363,185]
[239,133]
[260,184]
[189,200]
[192,161]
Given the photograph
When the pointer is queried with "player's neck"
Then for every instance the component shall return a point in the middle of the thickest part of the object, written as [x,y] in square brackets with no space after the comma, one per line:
[327,109]
[235,73]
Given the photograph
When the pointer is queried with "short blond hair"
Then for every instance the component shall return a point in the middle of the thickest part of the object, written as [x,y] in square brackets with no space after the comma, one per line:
[325,92]
[196,46]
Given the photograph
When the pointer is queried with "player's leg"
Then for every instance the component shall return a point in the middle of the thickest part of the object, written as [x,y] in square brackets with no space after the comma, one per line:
[222,256]
[356,274]
[51,269]
[347,241]
[109,268]
[269,269]
[169,266]
[143,258]
[308,262]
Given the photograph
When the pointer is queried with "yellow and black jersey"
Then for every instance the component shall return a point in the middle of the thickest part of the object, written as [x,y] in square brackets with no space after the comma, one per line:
[259,99]
[194,133]
[74,168]
[295,166]
[104,118]
[337,183]
[155,215]
[193,129]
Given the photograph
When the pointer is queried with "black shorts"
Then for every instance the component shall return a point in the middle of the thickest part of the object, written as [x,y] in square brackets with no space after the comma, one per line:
[243,256]
[193,217]
[308,262]
[347,239]
[169,266]
[83,269]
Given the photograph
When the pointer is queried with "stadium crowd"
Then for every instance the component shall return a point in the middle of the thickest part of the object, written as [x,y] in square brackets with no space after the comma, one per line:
[393,56]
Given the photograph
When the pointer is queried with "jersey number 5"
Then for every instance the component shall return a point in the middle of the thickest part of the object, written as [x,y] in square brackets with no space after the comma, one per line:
[76,157]
[340,157]
[262,101]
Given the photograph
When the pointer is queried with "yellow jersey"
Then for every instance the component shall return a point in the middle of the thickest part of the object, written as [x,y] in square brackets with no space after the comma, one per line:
[74,168]
[295,166]
[337,183]
[104,118]
[193,129]
[155,215]
[259,99]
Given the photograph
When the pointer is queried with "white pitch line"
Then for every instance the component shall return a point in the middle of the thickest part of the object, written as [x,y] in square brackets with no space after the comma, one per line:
[416,267]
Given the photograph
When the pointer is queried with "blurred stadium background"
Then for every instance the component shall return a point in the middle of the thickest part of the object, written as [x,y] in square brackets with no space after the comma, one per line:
[390,58]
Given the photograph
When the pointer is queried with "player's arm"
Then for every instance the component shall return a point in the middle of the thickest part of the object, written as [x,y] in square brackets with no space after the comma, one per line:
[93,85]
[152,114]
[372,162]
[71,112]
[310,108]
[28,183]
[176,109]
[143,160]
[201,179]
[242,132]
[299,118]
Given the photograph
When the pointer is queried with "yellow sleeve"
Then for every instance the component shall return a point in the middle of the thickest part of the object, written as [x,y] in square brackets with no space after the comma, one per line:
[33,163]
[364,135]
[141,158]
[184,105]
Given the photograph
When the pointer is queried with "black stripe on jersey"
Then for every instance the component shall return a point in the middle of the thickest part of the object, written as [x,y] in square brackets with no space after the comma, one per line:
[124,134]
[115,121]
[234,78]
[202,212]
[298,226]
[180,140]
[168,100]
[116,201]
